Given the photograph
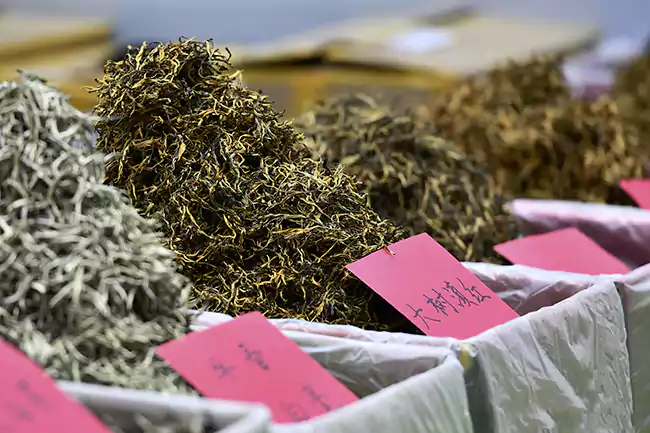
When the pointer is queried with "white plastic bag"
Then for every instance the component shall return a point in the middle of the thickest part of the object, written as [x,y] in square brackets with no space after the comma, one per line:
[528,289]
[122,405]
[560,369]
[625,232]
[402,389]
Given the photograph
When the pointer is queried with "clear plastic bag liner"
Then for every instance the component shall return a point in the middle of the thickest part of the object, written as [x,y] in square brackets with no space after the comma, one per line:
[622,230]
[403,388]
[560,369]
[123,404]
[528,289]
[636,291]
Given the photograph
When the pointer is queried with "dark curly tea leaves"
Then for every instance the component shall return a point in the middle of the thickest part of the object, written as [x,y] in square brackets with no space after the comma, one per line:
[254,221]
[411,176]
[539,141]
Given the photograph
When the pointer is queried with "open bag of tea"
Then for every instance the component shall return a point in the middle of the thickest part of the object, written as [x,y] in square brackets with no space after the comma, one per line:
[567,354]
[400,388]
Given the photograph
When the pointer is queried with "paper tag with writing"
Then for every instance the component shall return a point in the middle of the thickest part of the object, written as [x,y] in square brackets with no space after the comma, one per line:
[30,401]
[567,250]
[432,289]
[639,190]
[249,359]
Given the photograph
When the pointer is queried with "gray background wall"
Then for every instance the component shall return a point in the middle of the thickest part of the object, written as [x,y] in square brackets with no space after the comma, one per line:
[259,20]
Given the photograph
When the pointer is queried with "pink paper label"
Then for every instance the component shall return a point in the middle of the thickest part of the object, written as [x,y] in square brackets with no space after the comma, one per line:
[30,402]
[432,289]
[567,250]
[639,190]
[248,359]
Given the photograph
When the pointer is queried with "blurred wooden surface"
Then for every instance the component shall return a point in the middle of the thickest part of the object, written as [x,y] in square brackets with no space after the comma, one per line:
[68,52]
[24,35]
[365,55]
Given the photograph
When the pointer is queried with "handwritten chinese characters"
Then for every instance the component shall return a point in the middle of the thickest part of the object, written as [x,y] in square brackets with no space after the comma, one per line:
[249,355]
[316,397]
[221,369]
[432,289]
[417,314]
[297,412]
[254,356]
[438,303]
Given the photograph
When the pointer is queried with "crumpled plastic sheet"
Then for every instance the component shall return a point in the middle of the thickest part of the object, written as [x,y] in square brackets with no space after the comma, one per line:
[402,389]
[560,369]
[528,290]
[637,308]
[622,230]
[625,232]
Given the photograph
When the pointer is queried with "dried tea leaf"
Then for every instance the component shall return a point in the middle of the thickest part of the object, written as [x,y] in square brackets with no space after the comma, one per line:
[539,80]
[30,110]
[256,224]
[556,147]
[285,234]
[411,176]
[88,291]
[631,90]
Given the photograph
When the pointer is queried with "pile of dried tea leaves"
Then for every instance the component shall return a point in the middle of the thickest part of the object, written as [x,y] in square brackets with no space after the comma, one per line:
[631,90]
[632,83]
[255,222]
[87,289]
[411,176]
[556,147]
[537,81]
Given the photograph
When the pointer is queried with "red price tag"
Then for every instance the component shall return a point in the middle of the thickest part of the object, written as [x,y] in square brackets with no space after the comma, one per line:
[30,401]
[432,289]
[567,250]
[249,359]
[639,190]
